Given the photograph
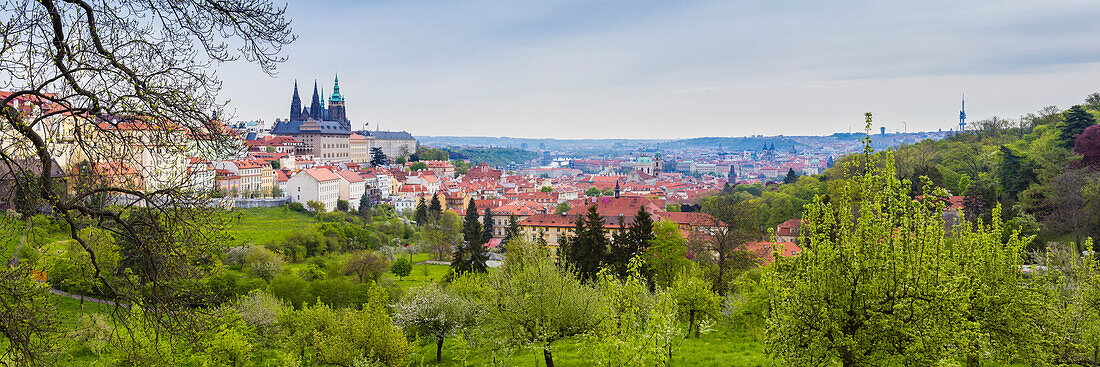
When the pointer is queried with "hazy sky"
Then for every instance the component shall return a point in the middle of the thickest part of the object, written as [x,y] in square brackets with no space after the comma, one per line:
[675,69]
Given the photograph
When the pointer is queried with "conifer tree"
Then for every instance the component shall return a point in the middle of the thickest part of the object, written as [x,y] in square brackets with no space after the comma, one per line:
[631,242]
[471,227]
[487,226]
[377,157]
[1076,120]
[1015,175]
[791,176]
[436,207]
[588,250]
[421,212]
[513,228]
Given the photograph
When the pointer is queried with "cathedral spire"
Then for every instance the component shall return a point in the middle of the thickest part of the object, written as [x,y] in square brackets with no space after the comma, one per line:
[336,96]
[315,106]
[295,104]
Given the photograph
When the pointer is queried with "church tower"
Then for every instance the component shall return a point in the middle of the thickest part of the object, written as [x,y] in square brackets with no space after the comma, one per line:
[315,109]
[295,105]
[336,111]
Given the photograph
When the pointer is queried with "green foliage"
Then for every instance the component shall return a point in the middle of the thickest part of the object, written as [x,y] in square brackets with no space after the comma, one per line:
[640,327]
[546,189]
[631,243]
[695,301]
[262,263]
[892,287]
[342,205]
[377,157]
[487,226]
[400,160]
[296,207]
[533,302]
[1075,121]
[316,206]
[562,207]
[666,258]
[418,166]
[401,267]
[471,227]
[432,154]
[496,157]
[441,235]
[28,320]
[321,334]
[592,191]
[433,312]
[366,266]
[291,288]
[587,250]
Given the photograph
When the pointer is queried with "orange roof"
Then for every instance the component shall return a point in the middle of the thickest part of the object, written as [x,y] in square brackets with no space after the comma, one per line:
[321,174]
[763,251]
[350,176]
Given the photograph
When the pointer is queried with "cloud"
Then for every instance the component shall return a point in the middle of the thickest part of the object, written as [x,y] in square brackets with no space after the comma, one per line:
[678,69]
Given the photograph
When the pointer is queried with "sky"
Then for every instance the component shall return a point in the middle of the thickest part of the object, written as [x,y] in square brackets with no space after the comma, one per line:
[677,69]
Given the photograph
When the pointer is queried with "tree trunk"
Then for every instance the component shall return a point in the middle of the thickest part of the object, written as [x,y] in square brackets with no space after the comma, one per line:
[721,274]
[1096,355]
[546,355]
[972,361]
[691,323]
[439,350]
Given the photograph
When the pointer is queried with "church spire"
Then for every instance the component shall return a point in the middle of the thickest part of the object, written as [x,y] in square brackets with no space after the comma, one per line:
[315,106]
[295,104]
[336,96]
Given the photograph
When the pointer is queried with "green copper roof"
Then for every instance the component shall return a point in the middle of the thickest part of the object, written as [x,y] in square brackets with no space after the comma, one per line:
[644,160]
[336,96]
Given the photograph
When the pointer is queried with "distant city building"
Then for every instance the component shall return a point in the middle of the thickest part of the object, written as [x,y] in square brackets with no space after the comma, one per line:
[327,131]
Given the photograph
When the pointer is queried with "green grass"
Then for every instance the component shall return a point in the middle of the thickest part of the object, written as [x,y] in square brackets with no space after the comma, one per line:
[264,225]
[718,348]
[421,274]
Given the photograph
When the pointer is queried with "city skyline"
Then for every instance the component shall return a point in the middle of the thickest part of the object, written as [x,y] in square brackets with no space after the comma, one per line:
[676,70]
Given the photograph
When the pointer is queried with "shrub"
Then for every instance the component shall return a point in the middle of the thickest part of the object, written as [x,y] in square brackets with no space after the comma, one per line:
[342,205]
[290,288]
[262,263]
[366,265]
[296,207]
[234,257]
[401,267]
[260,310]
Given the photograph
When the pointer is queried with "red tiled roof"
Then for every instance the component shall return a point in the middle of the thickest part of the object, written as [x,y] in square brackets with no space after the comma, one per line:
[350,176]
[763,251]
[321,174]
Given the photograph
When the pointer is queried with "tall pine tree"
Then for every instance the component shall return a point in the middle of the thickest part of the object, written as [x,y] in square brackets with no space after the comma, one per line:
[631,242]
[791,176]
[588,250]
[421,212]
[1076,120]
[487,226]
[1015,174]
[377,157]
[470,255]
[436,207]
[471,228]
[513,228]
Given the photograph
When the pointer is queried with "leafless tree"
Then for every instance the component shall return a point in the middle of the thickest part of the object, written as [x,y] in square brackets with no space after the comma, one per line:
[121,96]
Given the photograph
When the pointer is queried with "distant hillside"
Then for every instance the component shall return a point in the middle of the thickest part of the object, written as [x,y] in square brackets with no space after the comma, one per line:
[743,143]
[497,157]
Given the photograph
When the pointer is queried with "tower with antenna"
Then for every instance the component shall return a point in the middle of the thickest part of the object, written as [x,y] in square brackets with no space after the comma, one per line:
[962,115]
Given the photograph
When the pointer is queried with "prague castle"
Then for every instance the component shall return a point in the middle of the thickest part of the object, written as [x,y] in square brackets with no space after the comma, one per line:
[327,130]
